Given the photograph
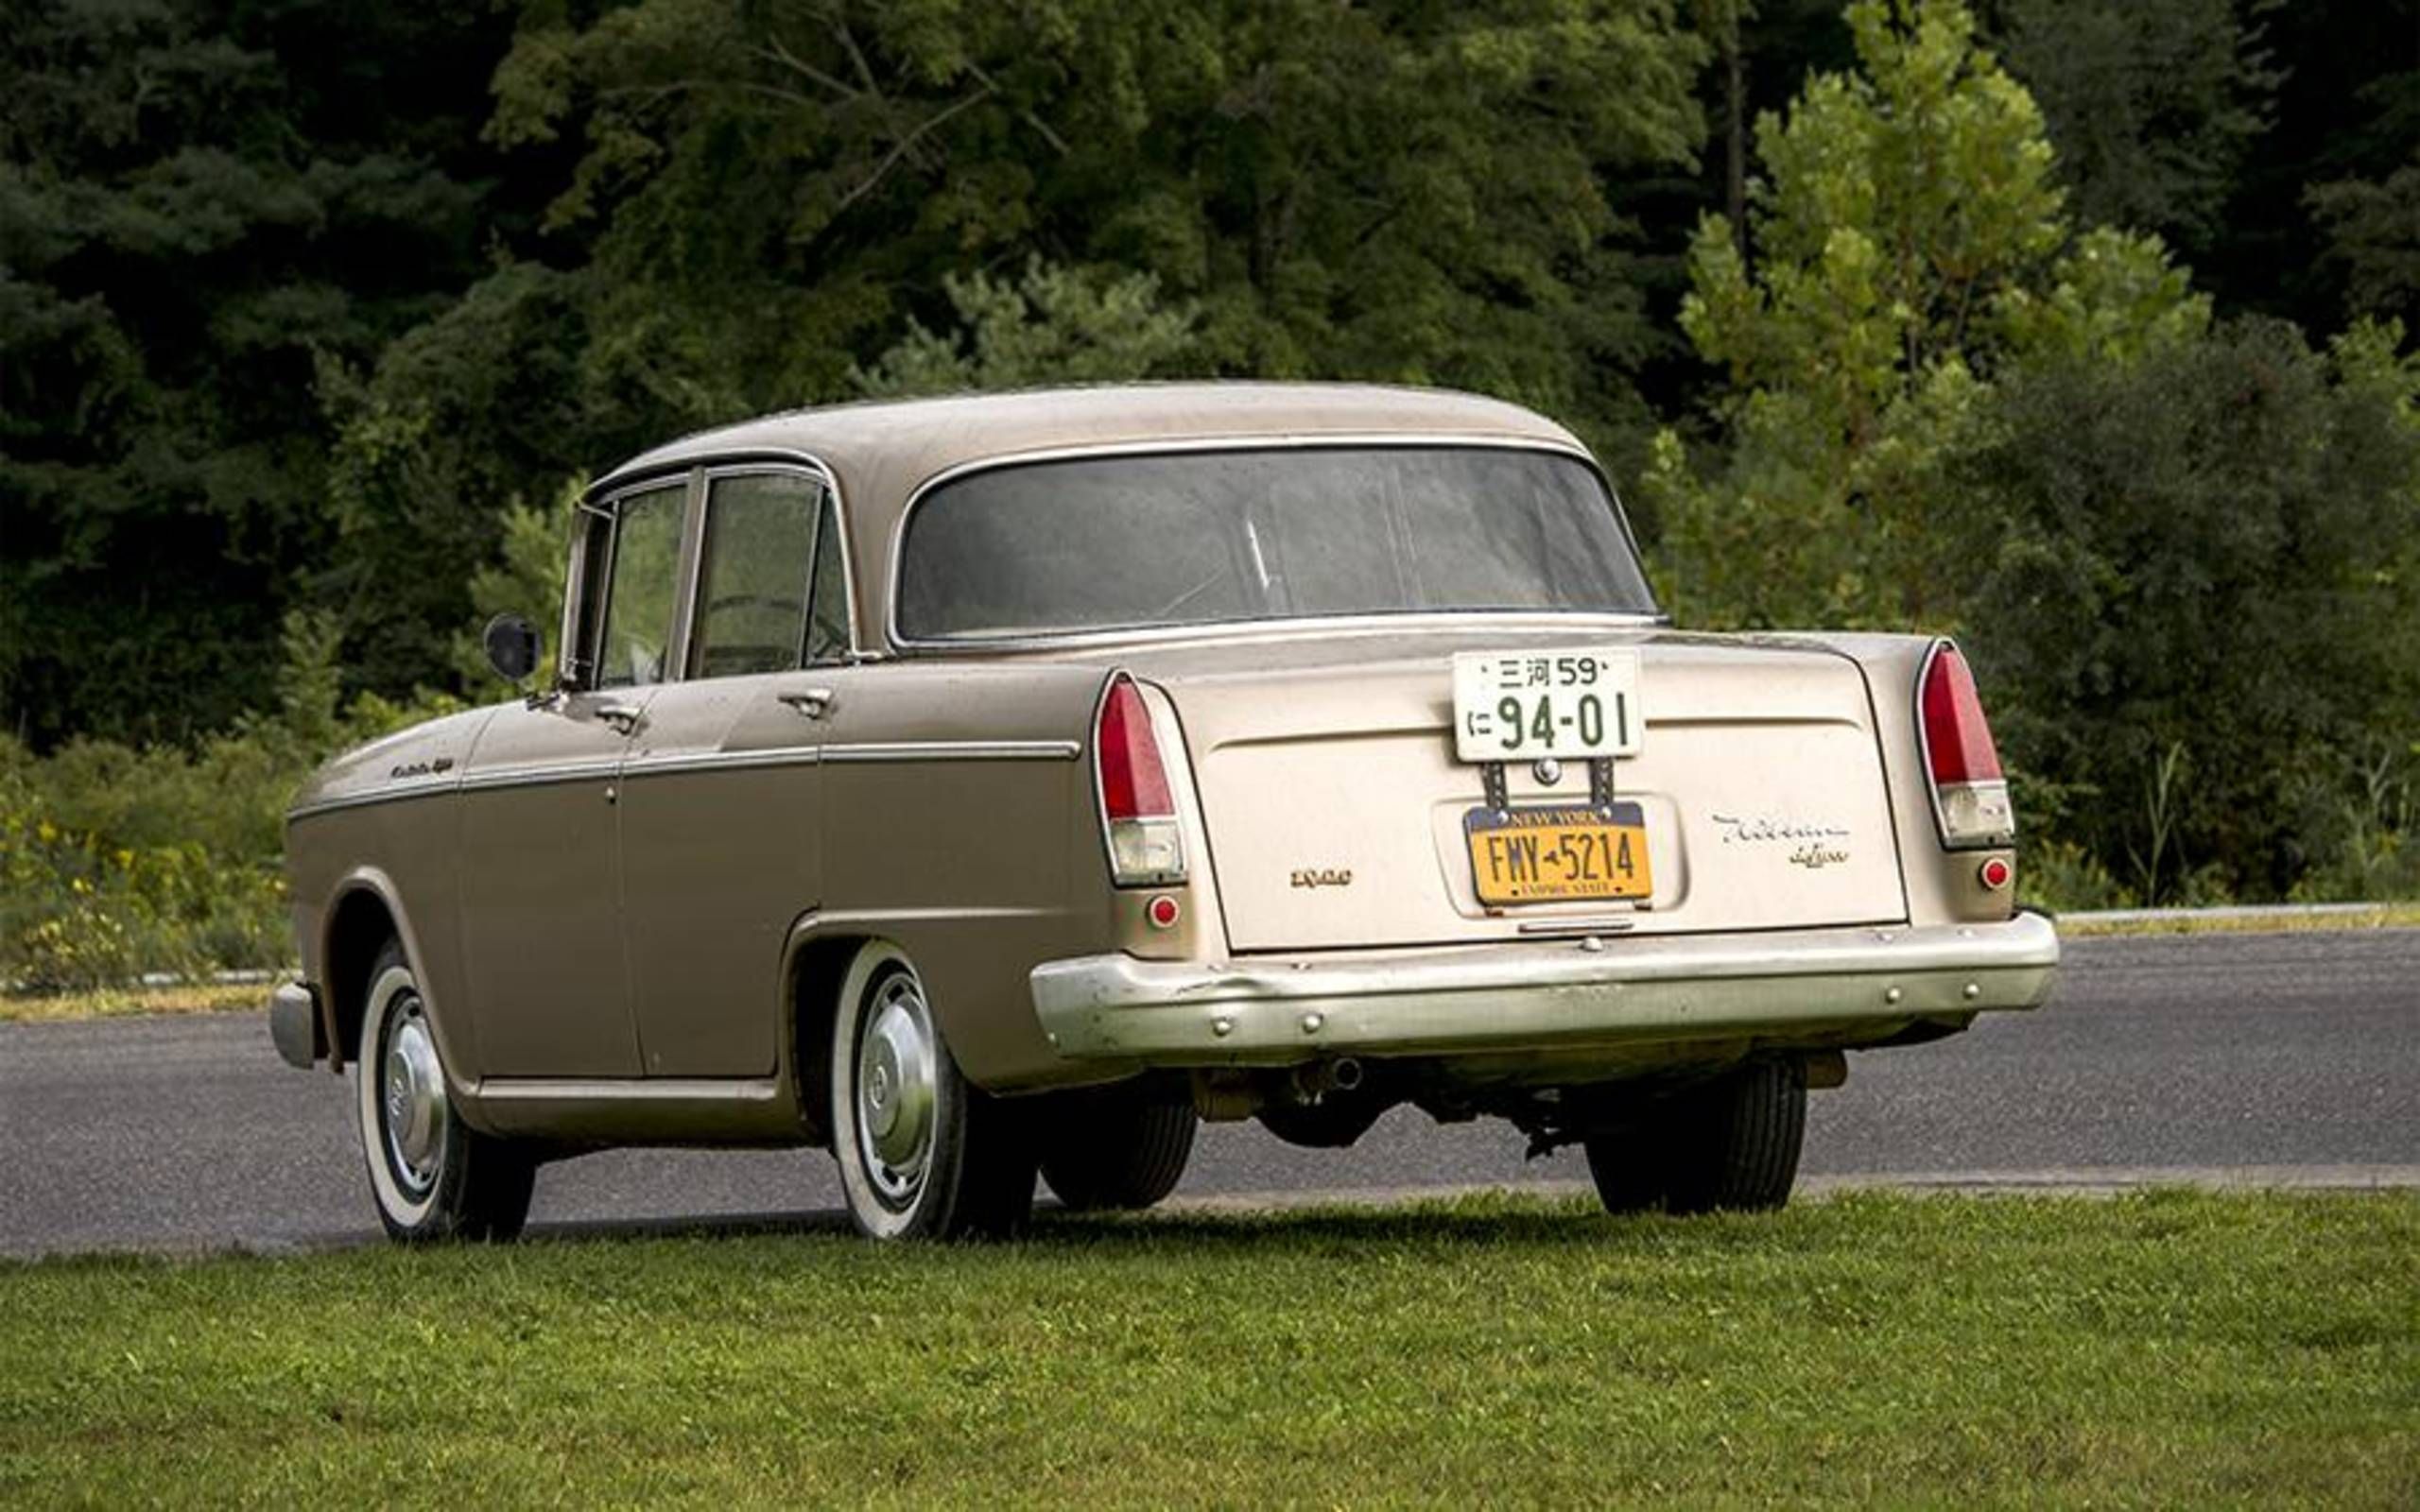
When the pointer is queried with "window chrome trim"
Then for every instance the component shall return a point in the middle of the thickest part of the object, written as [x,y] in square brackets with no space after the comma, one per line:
[955,751]
[797,465]
[1340,440]
[625,479]
[610,505]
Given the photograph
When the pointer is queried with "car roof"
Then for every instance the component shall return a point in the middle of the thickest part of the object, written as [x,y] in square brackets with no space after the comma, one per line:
[881,452]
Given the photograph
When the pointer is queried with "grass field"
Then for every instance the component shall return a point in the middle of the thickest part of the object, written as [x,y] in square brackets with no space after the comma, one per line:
[2162,1348]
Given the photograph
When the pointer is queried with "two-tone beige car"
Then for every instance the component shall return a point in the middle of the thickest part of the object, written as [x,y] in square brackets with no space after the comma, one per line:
[982,786]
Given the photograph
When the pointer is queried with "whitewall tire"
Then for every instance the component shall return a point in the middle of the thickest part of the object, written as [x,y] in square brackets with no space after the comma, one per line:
[431,1175]
[923,1153]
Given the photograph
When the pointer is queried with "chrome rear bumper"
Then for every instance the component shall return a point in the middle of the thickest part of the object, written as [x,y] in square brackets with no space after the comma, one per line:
[1495,998]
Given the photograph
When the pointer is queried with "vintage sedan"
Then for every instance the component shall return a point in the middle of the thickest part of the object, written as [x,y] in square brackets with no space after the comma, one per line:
[985,786]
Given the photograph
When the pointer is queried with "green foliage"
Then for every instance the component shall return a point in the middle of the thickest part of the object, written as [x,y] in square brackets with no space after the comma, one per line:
[2151,103]
[1399,191]
[2197,590]
[199,205]
[1052,325]
[529,581]
[1907,242]
[461,423]
[2374,233]
[115,861]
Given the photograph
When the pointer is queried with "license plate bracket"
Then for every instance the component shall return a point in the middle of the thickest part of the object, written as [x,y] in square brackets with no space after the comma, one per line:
[1558,853]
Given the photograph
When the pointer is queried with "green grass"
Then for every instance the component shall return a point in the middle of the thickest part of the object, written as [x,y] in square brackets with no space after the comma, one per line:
[2160,1348]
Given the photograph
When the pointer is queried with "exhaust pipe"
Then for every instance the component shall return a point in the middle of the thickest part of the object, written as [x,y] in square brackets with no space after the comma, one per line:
[1315,1079]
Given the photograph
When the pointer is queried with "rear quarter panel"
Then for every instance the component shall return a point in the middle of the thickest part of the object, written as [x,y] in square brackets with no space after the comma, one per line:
[959,824]
[1941,884]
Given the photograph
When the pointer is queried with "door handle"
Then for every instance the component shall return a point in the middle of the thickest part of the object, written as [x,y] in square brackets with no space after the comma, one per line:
[622,717]
[813,702]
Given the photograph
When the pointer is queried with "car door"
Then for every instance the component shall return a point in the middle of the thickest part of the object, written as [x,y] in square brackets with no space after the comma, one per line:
[541,904]
[722,791]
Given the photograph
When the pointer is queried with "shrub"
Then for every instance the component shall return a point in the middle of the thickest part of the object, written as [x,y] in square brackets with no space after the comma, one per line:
[117,862]
[2195,600]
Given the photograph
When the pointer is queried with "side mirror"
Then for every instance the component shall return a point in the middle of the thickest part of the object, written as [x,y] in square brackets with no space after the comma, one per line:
[513,648]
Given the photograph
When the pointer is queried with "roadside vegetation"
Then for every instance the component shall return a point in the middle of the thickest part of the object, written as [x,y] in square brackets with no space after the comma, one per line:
[2081,329]
[2152,1349]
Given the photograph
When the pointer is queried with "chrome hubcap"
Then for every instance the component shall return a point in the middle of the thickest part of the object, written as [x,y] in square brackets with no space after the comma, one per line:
[414,1098]
[896,1077]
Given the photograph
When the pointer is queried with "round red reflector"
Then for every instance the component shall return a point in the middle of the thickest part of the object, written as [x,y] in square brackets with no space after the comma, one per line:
[1995,873]
[1162,911]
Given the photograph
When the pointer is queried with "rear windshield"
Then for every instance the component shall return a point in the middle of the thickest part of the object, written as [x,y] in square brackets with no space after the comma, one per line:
[1205,537]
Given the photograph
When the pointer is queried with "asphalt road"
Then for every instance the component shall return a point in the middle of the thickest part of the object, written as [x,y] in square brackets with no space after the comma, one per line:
[2262,1058]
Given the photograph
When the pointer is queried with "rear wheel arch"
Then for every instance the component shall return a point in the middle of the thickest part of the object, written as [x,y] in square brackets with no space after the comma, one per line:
[819,967]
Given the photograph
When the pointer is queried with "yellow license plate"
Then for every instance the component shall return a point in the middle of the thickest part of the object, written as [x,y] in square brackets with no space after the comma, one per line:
[1559,855]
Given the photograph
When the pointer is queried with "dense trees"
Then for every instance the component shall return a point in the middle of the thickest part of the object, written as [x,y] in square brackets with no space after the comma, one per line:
[202,207]
[1894,313]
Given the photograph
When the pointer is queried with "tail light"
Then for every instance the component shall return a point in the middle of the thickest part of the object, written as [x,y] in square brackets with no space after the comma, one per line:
[1969,794]
[1138,806]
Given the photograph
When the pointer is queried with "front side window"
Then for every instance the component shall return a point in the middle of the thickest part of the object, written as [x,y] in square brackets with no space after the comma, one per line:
[754,580]
[637,629]
[1200,538]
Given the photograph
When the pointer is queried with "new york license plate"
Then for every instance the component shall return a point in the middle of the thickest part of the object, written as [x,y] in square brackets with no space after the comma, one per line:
[1554,856]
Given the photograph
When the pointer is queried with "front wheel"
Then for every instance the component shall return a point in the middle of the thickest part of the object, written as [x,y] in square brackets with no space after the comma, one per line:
[924,1154]
[432,1176]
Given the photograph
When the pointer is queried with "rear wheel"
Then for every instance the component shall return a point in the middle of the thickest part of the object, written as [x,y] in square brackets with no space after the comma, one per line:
[432,1176]
[1120,1147]
[1732,1143]
[924,1154]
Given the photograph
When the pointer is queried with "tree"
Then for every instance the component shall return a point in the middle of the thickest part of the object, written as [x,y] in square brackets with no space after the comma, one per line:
[1051,326]
[2152,104]
[2200,576]
[1395,191]
[1907,239]
[199,203]
[2374,237]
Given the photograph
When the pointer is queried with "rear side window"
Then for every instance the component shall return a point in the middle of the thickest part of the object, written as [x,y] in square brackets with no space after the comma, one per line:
[755,573]
[1197,537]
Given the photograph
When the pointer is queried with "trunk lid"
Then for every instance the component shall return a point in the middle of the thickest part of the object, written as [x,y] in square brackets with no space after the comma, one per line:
[1333,802]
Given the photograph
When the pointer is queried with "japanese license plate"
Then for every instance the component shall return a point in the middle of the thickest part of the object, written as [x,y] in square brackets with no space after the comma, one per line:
[1552,855]
[1525,706]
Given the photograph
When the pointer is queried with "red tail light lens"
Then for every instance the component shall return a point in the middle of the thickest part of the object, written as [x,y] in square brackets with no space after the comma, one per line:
[1133,784]
[1970,792]
[1958,739]
[1138,806]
